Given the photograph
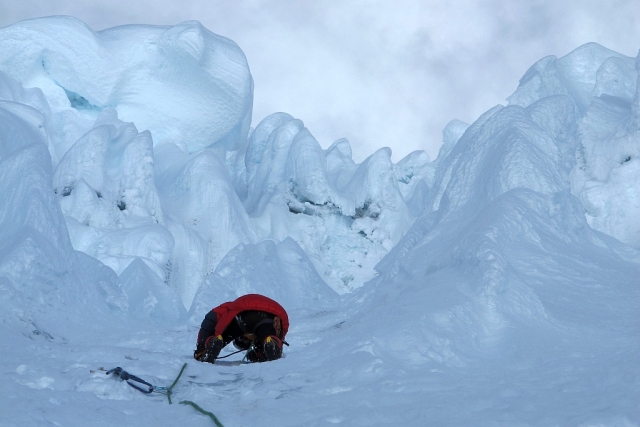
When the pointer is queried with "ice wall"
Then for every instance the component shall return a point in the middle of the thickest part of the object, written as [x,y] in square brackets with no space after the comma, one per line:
[148,132]
[517,184]
[502,269]
[604,156]
[40,273]
[345,216]
[153,159]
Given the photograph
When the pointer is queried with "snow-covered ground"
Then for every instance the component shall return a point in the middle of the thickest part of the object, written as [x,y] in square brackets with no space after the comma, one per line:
[497,285]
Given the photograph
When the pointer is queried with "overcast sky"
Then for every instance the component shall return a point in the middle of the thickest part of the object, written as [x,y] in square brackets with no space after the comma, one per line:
[379,73]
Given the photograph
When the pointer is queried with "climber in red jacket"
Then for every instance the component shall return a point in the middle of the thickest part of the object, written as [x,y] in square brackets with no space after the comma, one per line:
[253,322]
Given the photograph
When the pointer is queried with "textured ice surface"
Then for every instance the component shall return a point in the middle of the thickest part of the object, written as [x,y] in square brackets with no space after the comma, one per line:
[148,128]
[184,84]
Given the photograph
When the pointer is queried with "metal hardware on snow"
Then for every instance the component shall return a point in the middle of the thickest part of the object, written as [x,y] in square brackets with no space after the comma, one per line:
[127,377]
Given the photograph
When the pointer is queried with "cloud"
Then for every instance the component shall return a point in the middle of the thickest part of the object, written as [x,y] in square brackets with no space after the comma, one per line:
[379,73]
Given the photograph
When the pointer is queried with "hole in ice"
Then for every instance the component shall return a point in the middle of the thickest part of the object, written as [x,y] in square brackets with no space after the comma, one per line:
[295,209]
[406,179]
[122,205]
[362,211]
[79,102]
[66,191]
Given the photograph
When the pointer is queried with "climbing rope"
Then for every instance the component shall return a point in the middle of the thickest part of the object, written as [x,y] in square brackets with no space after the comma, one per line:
[132,380]
[230,354]
[199,409]
[175,382]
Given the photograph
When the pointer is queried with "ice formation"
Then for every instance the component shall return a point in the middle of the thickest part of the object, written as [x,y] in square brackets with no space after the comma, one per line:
[602,86]
[494,285]
[179,184]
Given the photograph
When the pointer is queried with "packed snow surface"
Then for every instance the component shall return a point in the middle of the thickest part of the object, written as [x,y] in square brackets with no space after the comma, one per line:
[497,285]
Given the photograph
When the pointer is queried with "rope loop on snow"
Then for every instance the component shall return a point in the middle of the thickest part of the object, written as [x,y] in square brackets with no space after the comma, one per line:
[170,388]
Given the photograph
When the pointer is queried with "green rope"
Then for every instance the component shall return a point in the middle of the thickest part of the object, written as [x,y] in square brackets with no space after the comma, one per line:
[199,409]
[174,383]
[188,402]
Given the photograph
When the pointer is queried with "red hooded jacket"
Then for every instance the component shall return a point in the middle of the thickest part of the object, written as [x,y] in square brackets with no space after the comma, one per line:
[227,312]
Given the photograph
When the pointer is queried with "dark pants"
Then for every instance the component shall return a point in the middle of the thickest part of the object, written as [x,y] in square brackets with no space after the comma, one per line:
[248,327]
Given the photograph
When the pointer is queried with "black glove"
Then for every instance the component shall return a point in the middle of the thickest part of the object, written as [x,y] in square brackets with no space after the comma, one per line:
[198,353]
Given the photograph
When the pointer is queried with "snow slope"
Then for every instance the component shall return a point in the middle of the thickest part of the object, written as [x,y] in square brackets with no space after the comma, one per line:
[504,274]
